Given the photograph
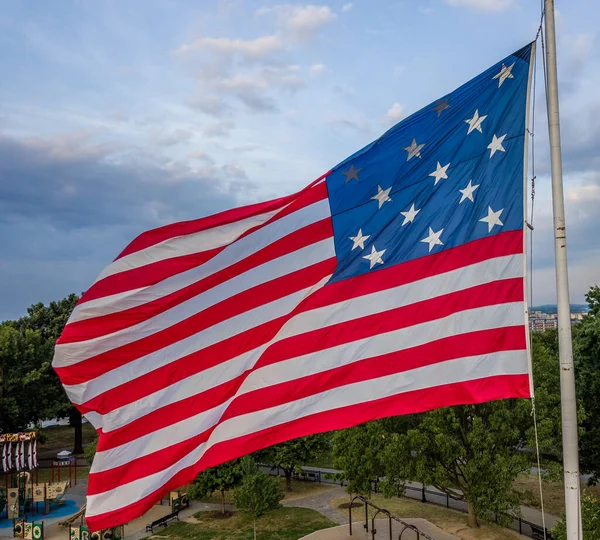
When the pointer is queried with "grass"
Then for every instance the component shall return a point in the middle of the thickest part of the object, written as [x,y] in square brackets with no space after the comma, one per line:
[57,438]
[280,524]
[450,521]
[299,489]
[554,493]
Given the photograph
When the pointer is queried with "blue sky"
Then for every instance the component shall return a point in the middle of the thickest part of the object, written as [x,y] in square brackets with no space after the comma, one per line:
[116,117]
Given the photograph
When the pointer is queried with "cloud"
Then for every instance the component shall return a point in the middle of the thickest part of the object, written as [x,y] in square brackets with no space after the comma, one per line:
[172,139]
[347,7]
[250,50]
[483,5]
[395,113]
[302,22]
[69,205]
[219,129]
[317,69]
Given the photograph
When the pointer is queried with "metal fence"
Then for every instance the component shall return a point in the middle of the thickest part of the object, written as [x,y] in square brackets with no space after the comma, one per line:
[413,491]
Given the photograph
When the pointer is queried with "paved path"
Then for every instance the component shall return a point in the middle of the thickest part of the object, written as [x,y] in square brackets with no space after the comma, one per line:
[321,503]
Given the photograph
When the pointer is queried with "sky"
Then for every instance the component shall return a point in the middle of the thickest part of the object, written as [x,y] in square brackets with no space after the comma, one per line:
[117,117]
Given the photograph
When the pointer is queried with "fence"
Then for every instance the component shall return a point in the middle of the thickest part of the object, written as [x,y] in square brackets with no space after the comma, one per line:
[413,491]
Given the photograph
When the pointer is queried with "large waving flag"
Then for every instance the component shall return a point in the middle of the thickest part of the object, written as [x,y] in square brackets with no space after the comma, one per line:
[393,284]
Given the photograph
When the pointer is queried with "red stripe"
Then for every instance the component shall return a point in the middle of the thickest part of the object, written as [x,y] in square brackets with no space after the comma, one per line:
[488,294]
[484,295]
[503,244]
[147,275]
[461,346]
[476,391]
[160,234]
[470,344]
[155,272]
[182,368]
[235,305]
[508,243]
[100,326]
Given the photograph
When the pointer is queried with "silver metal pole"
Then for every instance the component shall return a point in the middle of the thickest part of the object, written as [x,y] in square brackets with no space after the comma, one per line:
[567,375]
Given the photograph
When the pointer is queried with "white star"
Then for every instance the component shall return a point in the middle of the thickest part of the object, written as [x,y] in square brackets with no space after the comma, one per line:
[467,193]
[504,74]
[374,257]
[359,240]
[410,215]
[496,145]
[493,218]
[440,172]
[475,122]
[414,150]
[433,239]
[383,195]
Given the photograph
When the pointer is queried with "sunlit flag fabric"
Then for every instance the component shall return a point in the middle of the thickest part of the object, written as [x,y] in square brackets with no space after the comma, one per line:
[393,284]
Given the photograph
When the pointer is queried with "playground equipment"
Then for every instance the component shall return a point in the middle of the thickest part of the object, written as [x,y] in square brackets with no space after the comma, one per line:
[82,533]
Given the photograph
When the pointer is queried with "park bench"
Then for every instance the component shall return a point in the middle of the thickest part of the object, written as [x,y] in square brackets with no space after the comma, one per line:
[537,533]
[162,521]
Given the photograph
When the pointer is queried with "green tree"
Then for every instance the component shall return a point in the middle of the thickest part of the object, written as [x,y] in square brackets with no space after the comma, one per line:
[590,519]
[471,452]
[291,455]
[48,321]
[258,492]
[222,478]
[358,453]
[586,349]
[25,378]
[368,455]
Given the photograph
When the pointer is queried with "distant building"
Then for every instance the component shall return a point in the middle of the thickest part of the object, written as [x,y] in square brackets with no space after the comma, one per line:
[540,322]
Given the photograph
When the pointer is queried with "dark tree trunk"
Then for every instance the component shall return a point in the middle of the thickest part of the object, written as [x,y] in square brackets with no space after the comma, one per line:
[223,501]
[75,421]
[288,479]
[472,516]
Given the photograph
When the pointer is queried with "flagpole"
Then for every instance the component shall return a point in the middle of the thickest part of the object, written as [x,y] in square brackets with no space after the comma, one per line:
[567,375]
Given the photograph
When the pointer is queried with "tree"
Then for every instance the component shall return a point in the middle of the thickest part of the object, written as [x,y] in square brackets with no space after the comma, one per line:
[290,455]
[258,493]
[25,378]
[222,478]
[471,452]
[586,349]
[357,452]
[48,321]
[590,519]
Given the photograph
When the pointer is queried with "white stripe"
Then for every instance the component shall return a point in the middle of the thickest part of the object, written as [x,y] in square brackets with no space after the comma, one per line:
[230,255]
[80,393]
[454,371]
[68,354]
[476,274]
[186,245]
[496,316]
[472,320]
[506,267]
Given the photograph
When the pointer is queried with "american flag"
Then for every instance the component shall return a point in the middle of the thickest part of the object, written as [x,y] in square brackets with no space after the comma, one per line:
[393,284]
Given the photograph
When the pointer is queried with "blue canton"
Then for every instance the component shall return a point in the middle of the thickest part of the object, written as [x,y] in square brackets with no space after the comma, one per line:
[449,174]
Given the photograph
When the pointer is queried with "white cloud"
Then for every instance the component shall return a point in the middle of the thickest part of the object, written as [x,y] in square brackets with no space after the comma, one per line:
[395,113]
[483,5]
[254,49]
[219,129]
[317,69]
[252,71]
[347,7]
[304,21]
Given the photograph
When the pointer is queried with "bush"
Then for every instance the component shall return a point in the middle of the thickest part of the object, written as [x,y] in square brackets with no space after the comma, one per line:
[590,519]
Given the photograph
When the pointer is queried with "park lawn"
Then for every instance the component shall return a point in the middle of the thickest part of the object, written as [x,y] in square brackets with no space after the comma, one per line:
[57,438]
[554,493]
[300,488]
[280,524]
[450,521]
